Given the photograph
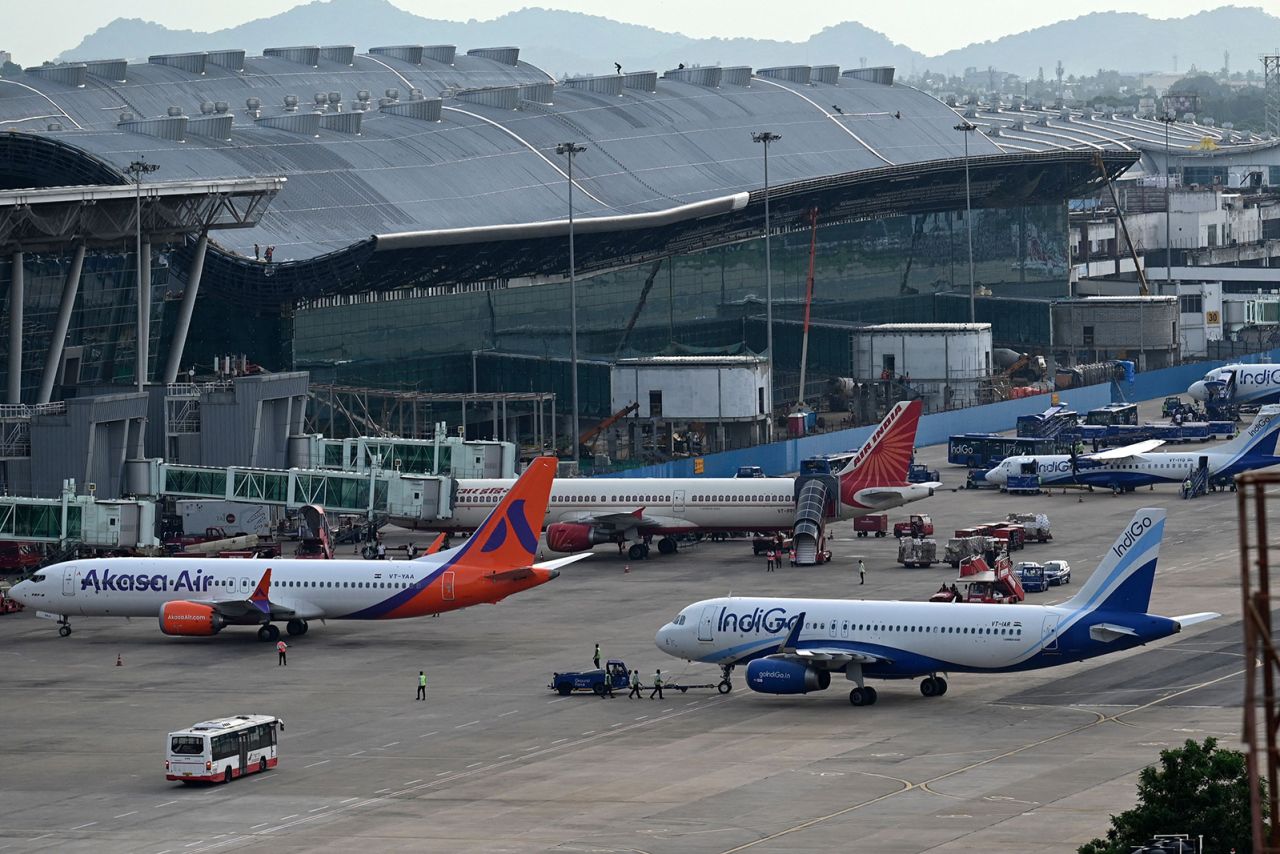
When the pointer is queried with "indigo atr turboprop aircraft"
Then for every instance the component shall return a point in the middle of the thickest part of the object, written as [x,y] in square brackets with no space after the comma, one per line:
[195,597]
[1124,469]
[792,646]
[585,512]
[1248,385]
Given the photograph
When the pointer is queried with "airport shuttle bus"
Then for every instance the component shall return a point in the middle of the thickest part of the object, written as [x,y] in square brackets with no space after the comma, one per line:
[222,749]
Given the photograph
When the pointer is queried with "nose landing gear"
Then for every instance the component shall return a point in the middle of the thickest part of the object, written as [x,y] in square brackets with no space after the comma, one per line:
[64,627]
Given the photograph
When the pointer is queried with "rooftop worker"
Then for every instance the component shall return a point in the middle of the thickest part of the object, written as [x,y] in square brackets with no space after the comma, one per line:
[618,66]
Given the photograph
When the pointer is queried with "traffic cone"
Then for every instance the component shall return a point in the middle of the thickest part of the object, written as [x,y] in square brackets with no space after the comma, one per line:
[626,569]
[119,662]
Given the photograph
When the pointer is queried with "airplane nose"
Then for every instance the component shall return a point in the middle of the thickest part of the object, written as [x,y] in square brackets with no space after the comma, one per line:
[1198,390]
[19,591]
[996,475]
[663,640]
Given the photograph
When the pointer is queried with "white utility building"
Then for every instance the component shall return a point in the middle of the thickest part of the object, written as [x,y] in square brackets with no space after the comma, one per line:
[945,363]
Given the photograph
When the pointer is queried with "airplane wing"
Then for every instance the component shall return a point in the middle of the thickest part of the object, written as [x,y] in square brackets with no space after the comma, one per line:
[636,519]
[525,571]
[238,609]
[1137,449]
[824,659]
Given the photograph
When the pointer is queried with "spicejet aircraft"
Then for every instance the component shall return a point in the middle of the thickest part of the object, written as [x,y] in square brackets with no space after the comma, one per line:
[793,646]
[584,512]
[201,598]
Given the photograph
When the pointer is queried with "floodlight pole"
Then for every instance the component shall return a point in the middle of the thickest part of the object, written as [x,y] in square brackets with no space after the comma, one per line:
[137,169]
[765,137]
[968,128]
[570,149]
[1168,118]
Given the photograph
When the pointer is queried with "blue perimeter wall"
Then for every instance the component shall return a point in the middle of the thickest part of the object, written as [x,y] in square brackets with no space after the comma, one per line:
[781,457]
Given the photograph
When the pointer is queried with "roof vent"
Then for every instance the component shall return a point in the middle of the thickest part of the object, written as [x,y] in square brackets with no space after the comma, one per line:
[221,106]
[644,81]
[217,126]
[538,93]
[191,62]
[321,99]
[828,74]
[410,53]
[363,96]
[428,109]
[291,103]
[55,126]
[415,94]
[174,111]
[971,113]
[790,73]
[1064,116]
[343,54]
[232,60]
[70,75]
[444,53]
[1018,126]
[1210,121]
[110,69]
[301,54]
[993,131]
[206,107]
[1043,121]
[1228,125]
[735,75]
[393,94]
[501,97]
[610,84]
[126,116]
[882,74]
[505,55]
[709,76]
[253,105]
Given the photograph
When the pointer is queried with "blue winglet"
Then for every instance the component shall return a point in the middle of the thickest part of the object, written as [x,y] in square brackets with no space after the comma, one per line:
[793,636]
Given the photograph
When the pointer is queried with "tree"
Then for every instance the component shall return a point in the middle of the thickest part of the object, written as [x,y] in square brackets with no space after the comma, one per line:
[1198,789]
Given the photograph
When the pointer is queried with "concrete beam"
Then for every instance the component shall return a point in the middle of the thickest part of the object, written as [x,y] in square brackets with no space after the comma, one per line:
[185,311]
[70,288]
[16,301]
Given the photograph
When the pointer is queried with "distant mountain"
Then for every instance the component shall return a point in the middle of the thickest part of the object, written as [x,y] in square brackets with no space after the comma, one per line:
[574,43]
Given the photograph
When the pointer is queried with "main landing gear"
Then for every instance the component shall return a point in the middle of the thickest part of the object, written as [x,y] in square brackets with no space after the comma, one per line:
[269,633]
[863,696]
[933,686]
[638,551]
[667,546]
[296,627]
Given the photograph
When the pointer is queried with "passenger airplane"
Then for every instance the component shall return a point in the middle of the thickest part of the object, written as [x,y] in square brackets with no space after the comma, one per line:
[792,646]
[587,511]
[193,597]
[1124,469]
[1239,384]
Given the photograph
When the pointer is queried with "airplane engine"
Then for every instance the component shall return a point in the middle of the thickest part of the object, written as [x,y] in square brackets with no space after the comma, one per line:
[574,537]
[775,676]
[190,619]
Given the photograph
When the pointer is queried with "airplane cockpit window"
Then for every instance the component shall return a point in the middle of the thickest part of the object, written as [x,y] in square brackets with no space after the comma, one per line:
[37,578]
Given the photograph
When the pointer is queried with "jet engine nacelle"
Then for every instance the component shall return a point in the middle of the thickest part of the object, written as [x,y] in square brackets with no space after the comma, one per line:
[574,536]
[190,619]
[776,676]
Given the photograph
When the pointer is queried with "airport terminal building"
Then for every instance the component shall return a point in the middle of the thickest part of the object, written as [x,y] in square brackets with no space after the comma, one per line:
[406,218]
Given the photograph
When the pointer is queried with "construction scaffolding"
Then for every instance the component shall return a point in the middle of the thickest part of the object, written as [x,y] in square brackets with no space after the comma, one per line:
[1262,663]
[1271,93]
[361,411]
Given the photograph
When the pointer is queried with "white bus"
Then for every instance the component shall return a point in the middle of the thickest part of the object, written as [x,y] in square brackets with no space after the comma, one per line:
[222,749]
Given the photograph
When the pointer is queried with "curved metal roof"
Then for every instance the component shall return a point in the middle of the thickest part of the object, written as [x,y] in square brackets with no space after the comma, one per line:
[381,160]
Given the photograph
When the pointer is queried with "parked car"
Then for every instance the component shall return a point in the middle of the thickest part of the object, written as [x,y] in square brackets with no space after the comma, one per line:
[1057,572]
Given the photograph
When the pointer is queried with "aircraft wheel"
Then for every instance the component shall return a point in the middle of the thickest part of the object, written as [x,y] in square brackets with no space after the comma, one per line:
[667,545]
[64,630]
[725,687]
[872,696]
[857,697]
[941,684]
[929,687]
[636,552]
[269,632]
[296,627]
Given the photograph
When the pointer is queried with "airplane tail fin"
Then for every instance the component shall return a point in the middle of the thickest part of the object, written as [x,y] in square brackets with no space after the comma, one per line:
[508,537]
[1123,581]
[884,458]
[1259,438]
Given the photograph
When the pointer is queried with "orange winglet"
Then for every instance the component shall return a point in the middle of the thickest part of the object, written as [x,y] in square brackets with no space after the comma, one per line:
[436,544]
[261,597]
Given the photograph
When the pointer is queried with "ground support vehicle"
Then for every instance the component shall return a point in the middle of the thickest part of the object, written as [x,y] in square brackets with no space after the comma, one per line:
[724,686]
[566,683]
[919,473]
[1012,537]
[913,551]
[991,584]
[876,524]
[1023,484]
[1034,525]
[959,548]
[760,545]
[918,525]
[222,749]
[1031,576]
[8,605]
[21,557]
[1057,572]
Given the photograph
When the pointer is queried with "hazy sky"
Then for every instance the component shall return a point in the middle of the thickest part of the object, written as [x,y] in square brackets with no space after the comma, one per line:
[35,31]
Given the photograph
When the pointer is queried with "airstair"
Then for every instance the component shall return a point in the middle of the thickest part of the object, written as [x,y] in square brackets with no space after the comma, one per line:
[817,502]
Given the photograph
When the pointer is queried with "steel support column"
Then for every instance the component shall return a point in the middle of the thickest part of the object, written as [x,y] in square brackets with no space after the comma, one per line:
[16,301]
[144,313]
[70,288]
[184,313]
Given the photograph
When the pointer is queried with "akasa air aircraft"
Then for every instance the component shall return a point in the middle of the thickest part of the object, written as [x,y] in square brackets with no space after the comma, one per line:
[584,512]
[192,597]
[793,646]
[1249,385]
[1124,469]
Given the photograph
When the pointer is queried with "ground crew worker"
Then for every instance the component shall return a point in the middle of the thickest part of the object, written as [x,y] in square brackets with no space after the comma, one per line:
[608,685]
[635,685]
[382,549]
[1186,488]
[422,685]
[862,571]
[657,685]
[771,558]
[596,657]
[281,647]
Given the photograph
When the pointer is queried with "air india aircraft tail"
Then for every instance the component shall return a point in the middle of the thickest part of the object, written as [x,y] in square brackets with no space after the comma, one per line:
[884,458]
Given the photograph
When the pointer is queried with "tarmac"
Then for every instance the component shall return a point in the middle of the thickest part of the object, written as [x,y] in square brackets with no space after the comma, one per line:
[493,761]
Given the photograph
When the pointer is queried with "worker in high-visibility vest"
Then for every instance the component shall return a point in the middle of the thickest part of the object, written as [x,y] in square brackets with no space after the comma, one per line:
[657,685]
[422,685]
[608,684]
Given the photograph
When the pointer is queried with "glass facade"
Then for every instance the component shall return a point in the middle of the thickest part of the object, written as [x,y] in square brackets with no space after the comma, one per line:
[101,345]
[875,271]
